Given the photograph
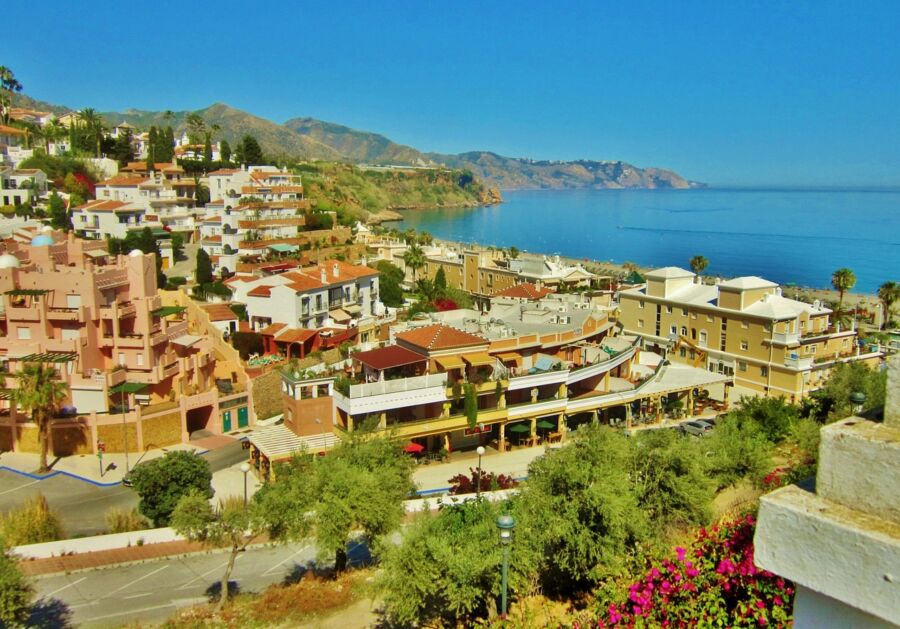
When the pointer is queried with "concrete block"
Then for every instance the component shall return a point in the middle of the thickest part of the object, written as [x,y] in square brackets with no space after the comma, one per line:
[859,467]
[835,551]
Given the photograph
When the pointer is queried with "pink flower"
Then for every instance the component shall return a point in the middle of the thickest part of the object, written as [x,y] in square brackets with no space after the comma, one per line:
[762,621]
[777,600]
[692,572]
[679,552]
[760,605]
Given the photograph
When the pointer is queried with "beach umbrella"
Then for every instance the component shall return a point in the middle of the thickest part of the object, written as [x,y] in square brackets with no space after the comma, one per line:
[414,448]
[546,425]
[520,428]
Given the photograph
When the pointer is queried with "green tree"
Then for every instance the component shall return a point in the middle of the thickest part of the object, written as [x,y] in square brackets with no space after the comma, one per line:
[737,450]
[389,279]
[470,404]
[225,151]
[123,151]
[833,399]
[669,478]
[843,280]
[699,264]
[32,523]
[888,293]
[166,150]
[360,485]
[93,126]
[231,525]
[152,143]
[579,514]
[774,415]
[162,482]
[250,150]
[59,215]
[16,592]
[414,258]
[446,570]
[177,246]
[512,253]
[40,392]
[8,86]
[440,282]
[196,127]
[203,273]
[207,149]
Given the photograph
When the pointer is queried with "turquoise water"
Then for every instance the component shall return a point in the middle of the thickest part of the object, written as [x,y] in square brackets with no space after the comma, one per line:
[786,236]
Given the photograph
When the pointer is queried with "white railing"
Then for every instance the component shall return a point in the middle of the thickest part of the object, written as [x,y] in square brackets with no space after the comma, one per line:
[797,362]
[383,387]
[786,337]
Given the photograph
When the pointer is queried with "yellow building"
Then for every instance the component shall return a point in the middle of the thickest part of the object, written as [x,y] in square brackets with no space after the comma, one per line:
[742,327]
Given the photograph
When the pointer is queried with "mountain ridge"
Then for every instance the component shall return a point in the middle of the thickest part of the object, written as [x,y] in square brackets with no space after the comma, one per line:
[312,139]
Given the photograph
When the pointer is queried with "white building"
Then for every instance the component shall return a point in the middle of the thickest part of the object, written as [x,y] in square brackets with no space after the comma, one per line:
[22,186]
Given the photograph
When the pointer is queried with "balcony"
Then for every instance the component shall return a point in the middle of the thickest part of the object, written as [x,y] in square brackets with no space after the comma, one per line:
[130,341]
[538,379]
[418,428]
[797,362]
[600,367]
[384,395]
[23,313]
[785,338]
[541,407]
[63,314]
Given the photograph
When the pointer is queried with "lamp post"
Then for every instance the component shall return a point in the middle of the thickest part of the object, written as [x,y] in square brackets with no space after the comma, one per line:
[124,425]
[506,524]
[857,401]
[480,451]
[245,467]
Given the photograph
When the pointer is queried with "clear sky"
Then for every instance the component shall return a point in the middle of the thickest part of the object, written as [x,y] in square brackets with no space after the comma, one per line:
[730,93]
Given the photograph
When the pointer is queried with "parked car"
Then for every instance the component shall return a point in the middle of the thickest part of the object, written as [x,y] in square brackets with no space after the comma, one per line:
[697,428]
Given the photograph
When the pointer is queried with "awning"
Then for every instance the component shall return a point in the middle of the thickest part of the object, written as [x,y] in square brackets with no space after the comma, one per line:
[339,315]
[507,357]
[450,362]
[186,340]
[280,248]
[128,387]
[97,253]
[168,310]
[46,357]
[546,425]
[479,359]
[353,309]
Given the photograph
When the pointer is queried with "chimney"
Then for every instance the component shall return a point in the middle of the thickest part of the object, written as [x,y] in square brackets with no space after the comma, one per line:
[324,276]
[363,261]
[778,291]
[334,269]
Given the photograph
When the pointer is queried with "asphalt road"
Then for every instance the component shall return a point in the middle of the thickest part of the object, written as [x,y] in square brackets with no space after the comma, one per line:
[83,506]
[151,592]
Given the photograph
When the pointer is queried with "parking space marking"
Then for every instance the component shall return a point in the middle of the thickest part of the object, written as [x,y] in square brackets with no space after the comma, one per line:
[139,579]
[65,587]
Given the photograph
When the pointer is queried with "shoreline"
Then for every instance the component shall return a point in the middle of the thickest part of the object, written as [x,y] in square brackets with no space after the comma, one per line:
[867,300]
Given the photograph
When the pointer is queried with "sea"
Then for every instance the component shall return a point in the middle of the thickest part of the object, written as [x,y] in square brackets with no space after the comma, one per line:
[790,236]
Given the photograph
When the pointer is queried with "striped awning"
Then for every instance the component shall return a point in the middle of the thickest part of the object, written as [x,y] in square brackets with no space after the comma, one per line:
[479,359]
[47,357]
[449,362]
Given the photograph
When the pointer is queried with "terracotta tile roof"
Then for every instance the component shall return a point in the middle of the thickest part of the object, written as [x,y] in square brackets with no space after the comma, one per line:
[345,272]
[390,356]
[11,130]
[273,329]
[439,336]
[224,172]
[107,206]
[123,180]
[295,335]
[299,281]
[240,278]
[219,312]
[213,239]
[261,291]
[526,290]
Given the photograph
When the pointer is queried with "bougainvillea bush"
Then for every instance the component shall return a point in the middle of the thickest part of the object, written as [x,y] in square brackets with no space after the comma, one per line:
[462,484]
[714,583]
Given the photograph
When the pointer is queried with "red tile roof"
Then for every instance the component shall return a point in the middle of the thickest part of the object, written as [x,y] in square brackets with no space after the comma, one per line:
[390,356]
[273,329]
[224,172]
[123,180]
[526,290]
[261,291]
[220,312]
[296,335]
[11,130]
[439,336]
[345,272]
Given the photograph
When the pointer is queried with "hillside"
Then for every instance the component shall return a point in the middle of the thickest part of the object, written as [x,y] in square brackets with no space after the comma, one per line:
[355,192]
[311,139]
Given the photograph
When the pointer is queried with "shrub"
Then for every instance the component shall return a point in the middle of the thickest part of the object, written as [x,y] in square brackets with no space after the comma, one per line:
[15,591]
[32,523]
[247,343]
[162,482]
[462,484]
[123,521]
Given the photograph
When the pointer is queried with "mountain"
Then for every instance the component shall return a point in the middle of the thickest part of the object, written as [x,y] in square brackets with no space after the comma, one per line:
[311,139]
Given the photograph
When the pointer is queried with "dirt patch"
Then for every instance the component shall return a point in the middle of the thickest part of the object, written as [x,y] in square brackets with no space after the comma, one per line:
[735,499]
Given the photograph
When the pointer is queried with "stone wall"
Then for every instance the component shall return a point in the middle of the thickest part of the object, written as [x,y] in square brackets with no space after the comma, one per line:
[267,400]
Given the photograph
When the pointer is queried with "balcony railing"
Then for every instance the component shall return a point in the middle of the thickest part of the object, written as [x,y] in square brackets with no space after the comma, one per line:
[383,387]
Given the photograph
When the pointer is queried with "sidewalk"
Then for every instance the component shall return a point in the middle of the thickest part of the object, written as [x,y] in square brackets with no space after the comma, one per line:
[435,477]
[86,467]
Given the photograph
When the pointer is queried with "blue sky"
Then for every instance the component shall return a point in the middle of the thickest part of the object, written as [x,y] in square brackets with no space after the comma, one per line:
[768,93]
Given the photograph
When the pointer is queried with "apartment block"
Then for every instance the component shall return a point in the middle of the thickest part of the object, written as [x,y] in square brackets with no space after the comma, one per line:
[743,327]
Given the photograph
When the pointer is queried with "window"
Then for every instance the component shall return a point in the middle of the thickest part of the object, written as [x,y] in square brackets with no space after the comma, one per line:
[23,334]
[812,349]
[709,318]
[641,304]
[744,345]
[745,324]
[640,323]
[122,358]
[683,331]
[742,366]
[140,360]
[682,351]
[668,309]
[703,338]
[693,315]
[684,312]
[673,329]
[764,371]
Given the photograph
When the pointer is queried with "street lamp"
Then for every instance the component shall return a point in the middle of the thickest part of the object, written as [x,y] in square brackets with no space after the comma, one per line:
[857,400]
[245,467]
[480,451]
[506,524]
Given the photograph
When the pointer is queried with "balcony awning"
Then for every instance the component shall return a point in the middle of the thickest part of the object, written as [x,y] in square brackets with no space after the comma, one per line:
[128,387]
[389,357]
[340,316]
[507,357]
[168,310]
[449,362]
[280,248]
[353,309]
[186,340]
[46,357]
[26,292]
[479,359]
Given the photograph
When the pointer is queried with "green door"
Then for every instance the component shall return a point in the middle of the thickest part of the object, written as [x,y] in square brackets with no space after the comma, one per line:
[226,421]
[243,417]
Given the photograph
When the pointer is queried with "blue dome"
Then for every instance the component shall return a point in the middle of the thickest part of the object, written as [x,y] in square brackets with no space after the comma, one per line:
[41,241]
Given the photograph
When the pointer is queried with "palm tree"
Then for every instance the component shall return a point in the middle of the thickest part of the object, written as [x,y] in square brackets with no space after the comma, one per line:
[53,131]
[888,293]
[93,124]
[698,264]
[414,258]
[40,392]
[843,280]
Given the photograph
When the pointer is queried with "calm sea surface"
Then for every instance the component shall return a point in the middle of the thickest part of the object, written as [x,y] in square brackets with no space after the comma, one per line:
[786,236]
